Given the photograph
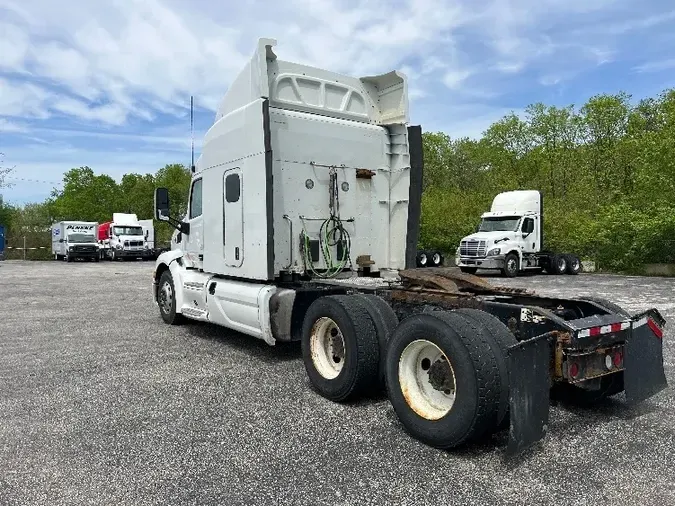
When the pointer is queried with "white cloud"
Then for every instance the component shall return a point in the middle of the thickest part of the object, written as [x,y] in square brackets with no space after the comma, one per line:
[11,126]
[143,56]
[656,66]
[23,99]
[122,71]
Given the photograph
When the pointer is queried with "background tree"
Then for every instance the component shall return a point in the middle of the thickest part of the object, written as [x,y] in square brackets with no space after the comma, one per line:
[606,170]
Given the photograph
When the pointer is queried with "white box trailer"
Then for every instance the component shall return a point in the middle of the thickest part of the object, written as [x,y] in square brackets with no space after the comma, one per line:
[307,177]
[150,251]
[75,239]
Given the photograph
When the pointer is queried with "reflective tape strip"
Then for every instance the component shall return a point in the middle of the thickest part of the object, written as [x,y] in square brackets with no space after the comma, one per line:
[37,247]
[605,329]
[640,322]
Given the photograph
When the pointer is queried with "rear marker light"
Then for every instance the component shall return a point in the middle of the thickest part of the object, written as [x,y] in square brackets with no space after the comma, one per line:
[608,362]
[617,358]
[574,370]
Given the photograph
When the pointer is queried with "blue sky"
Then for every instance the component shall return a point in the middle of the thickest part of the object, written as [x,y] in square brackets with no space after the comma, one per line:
[108,84]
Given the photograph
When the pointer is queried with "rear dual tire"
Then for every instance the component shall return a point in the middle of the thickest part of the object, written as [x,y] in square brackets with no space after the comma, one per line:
[564,263]
[340,348]
[429,258]
[447,376]
[445,372]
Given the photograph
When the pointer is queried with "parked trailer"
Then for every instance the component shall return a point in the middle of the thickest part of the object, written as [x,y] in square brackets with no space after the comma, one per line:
[336,182]
[151,251]
[75,239]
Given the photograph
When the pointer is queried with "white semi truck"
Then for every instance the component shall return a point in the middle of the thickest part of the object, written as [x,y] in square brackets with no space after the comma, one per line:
[122,238]
[75,239]
[309,185]
[510,238]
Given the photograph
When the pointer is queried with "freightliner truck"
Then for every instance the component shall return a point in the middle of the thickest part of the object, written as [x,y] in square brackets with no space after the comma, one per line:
[302,225]
[510,238]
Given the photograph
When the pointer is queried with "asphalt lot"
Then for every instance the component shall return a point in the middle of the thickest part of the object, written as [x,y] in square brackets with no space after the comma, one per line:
[102,403]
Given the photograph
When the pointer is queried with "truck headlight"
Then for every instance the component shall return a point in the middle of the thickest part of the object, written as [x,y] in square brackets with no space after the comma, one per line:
[494,252]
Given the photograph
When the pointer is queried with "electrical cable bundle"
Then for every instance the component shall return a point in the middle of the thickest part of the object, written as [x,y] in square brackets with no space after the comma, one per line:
[331,233]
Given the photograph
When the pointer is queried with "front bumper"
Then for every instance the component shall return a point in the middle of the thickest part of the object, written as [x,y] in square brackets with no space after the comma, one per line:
[533,364]
[130,253]
[494,262]
[83,254]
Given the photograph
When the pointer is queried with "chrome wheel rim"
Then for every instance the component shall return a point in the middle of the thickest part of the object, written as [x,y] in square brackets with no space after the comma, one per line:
[166,297]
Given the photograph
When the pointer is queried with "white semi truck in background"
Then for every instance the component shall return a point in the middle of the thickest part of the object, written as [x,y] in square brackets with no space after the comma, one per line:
[123,237]
[309,185]
[510,238]
[75,239]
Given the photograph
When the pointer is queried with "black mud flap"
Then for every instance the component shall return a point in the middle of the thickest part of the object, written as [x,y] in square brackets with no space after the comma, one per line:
[643,374]
[530,392]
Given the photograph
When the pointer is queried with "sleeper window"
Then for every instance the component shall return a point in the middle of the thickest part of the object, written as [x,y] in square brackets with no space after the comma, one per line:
[232,188]
[196,199]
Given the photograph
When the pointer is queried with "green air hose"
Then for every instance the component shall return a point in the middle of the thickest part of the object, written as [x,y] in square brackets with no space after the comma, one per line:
[331,233]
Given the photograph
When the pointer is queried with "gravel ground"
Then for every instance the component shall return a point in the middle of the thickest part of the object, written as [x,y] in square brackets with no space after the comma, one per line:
[102,403]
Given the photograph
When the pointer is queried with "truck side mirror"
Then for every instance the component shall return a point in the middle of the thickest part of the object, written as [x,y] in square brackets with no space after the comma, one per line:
[162,204]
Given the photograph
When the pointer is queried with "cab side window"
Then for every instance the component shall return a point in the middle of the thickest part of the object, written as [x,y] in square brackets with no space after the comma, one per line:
[196,199]
[528,225]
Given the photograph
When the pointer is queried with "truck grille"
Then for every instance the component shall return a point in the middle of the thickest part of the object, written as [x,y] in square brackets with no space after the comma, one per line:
[85,249]
[133,243]
[472,248]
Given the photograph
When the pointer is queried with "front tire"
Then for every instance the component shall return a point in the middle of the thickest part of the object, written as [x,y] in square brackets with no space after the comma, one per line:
[511,265]
[442,379]
[340,347]
[166,300]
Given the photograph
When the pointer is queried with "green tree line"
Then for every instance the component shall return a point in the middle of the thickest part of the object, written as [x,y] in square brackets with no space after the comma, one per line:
[89,197]
[606,170]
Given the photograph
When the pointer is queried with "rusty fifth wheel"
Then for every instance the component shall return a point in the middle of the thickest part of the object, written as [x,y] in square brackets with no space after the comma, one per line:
[340,347]
[443,378]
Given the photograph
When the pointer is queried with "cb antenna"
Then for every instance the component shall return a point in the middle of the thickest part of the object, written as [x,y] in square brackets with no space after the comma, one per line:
[192,134]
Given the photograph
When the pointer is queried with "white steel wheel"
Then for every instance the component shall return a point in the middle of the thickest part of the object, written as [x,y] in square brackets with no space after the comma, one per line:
[436,259]
[327,348]
[427,379]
